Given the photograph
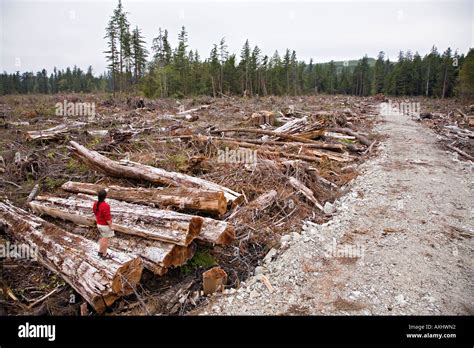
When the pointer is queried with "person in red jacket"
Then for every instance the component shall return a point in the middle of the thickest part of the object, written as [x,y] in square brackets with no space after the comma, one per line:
[104,222]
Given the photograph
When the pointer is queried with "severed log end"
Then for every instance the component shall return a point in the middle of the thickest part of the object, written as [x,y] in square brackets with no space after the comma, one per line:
[222,202]
[127,276]
[214,280]
[227,237]
[100,303]
[195,226]
[237,201]
[179,255]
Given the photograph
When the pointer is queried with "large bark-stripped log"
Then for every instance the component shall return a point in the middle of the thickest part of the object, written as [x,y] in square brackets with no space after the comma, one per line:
[249,142]
[157,256]
[133,219]
[183,198]
[266,132]
[290,155]
[127,218]
[293,126]
[99,281]
[54,132]
[349,131]
[128,169]
[201,107]
[338,158]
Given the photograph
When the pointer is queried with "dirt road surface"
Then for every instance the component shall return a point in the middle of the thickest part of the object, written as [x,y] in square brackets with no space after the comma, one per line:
[400,242]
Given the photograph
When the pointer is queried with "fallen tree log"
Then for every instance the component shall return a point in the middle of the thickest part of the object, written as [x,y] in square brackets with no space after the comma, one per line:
[216,232]
[157,256]
[338,158]
[298,185]
[186,117]
[248,142]
[293,126]
[128,169]
[338,136]
[349,131]
[201,107]
[54,132]
[138,220]
[290,155]
[462,153]
[460,131]
[133,219]
[266,132]
[99,281]
[183,198]
[312,134]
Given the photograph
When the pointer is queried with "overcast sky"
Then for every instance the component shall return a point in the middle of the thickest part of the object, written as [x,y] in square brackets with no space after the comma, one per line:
[38,34]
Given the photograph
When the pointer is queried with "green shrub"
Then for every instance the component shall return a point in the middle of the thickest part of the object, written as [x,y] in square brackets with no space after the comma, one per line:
[201,259]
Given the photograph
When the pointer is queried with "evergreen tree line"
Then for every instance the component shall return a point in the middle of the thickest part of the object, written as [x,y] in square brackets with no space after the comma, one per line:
[179,71]
[69,80]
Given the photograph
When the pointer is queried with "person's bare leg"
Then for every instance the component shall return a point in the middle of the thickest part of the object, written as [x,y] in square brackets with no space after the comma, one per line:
[106,245]
[103,245]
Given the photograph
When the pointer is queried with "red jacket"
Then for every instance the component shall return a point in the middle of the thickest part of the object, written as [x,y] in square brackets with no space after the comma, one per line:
[103,214]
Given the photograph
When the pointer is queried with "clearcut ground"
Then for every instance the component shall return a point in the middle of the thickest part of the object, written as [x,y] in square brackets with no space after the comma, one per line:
[400,242]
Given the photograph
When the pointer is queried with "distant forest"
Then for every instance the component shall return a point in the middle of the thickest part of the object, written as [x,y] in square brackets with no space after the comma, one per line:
[181,72]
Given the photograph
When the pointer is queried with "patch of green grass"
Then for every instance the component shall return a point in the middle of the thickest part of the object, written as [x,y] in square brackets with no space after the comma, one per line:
[51,155]
[52,184]
[73,166]
[278,123]
[346,141]
[201,259]
[178,161]
[95,141]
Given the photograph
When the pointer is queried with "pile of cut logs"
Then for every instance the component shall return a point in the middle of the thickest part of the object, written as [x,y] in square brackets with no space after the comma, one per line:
[151,232]
[302,138]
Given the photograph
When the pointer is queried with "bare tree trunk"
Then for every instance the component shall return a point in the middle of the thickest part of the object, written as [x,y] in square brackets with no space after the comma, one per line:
[444,82]
[213,86]
[428,80]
